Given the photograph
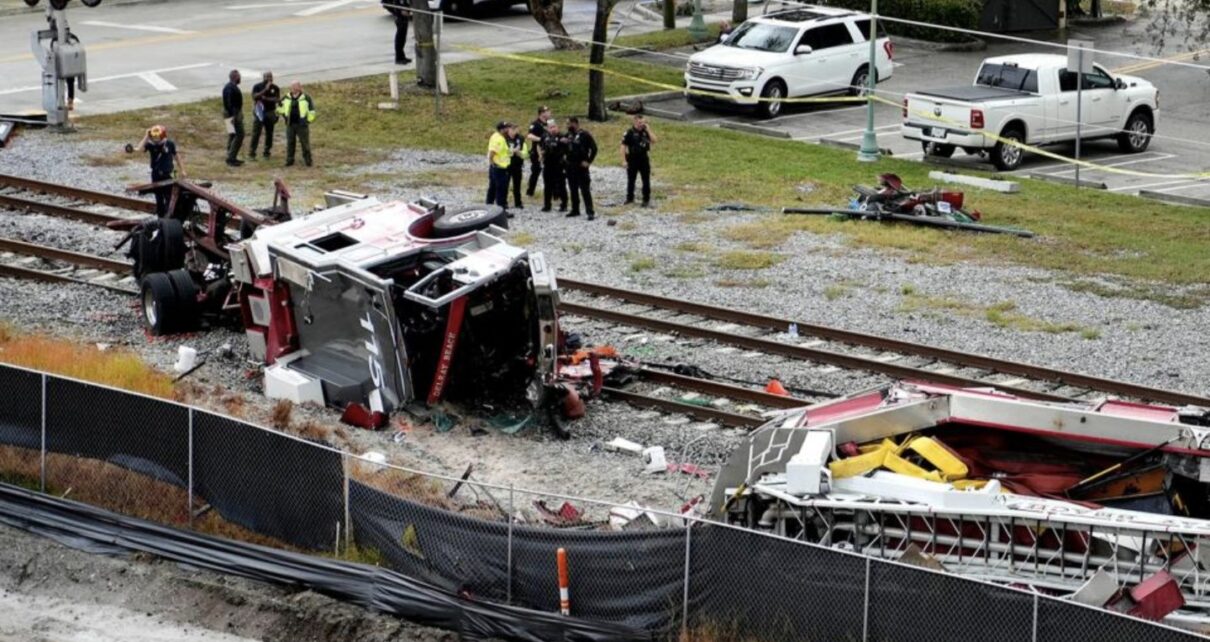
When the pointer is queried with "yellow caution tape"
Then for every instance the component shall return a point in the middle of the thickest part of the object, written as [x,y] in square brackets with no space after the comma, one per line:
[651,83]
[871,98]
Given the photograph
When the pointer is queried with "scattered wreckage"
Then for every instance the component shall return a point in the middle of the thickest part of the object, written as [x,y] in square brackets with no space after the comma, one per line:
[1105,502]
[366,305]
[892,201]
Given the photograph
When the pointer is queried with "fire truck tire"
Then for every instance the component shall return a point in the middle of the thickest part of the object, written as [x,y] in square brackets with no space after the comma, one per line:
[159,303]
[187,307]
[172,243]
[460,220]
[59,4]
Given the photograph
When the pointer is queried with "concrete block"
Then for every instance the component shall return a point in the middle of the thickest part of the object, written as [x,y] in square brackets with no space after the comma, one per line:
[1068,180]
[756,129]
[1175,199]
[1007,187]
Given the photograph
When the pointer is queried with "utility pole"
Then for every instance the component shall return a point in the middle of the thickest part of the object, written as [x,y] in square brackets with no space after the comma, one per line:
[1081,64]
[61,57]
[869,140]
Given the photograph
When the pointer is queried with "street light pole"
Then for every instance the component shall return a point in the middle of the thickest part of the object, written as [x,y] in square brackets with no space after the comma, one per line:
[869,140]
[697,25]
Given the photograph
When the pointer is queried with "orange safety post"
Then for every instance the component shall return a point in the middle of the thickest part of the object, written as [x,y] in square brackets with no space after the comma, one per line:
[564,595]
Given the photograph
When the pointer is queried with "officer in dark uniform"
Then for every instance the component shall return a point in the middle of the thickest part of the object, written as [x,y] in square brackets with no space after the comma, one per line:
[554,166]
[519,146]
[582,151]
[537,130]
[636,158]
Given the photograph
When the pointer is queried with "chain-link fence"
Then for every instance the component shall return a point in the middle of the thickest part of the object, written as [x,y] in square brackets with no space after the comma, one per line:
[661,574]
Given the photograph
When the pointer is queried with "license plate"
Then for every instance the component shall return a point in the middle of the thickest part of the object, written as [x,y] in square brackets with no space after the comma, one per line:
[936,132]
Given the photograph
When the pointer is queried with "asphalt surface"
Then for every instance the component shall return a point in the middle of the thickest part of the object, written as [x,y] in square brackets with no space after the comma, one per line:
[1181,144]
[156,53]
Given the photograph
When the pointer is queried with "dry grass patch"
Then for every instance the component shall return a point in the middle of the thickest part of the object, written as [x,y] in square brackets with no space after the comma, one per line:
[111,367]
[748,260]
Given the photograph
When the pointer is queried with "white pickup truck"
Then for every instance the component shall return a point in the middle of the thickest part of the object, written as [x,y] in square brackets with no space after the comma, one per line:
[1030,99]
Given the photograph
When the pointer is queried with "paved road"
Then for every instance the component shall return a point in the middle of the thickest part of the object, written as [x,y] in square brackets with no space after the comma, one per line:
[162,53]
[1182,144]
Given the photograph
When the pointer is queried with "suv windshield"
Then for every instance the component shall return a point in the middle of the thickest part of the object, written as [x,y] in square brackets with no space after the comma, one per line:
[762,37]
[1008,77]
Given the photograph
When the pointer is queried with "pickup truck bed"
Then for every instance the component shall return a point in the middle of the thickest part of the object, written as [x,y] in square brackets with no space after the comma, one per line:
[974,93]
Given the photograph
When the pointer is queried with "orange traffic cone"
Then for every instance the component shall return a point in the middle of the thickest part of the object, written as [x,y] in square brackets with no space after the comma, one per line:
[775,388]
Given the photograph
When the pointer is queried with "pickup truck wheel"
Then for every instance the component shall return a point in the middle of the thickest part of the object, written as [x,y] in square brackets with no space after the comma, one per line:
[1137,135]
[939,150]
[458,221]
[1005,155]
[159,303]
[772,94]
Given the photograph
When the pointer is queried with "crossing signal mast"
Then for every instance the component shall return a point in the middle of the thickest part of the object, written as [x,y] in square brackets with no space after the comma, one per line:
[61,55]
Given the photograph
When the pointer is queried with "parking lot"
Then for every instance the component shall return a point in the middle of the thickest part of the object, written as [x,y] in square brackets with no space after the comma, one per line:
[1181,146]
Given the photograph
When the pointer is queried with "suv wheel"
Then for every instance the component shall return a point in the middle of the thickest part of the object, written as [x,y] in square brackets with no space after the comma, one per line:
[772,95]
[860,85]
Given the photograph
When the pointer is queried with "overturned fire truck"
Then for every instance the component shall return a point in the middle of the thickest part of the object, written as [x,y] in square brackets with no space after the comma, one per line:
[1104,502]
[364,304]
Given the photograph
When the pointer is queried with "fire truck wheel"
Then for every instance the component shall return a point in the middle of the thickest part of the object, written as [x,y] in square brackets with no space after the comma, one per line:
[172,244]
[187,307]
[158,246]
[159,303]
[59,4]
[460,220]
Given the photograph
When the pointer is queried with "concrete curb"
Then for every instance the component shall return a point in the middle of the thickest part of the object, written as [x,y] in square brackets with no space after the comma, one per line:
[756,129]
[41,8]
[975,44]
[1063,180]
[844,144]
[1005,187]
[664,113]
[1103,21]
[655,96]
[1175,199]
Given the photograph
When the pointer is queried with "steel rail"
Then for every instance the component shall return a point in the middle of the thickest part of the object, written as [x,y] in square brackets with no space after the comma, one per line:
[50,277]
[721,389]
[732,419]
[798,352]
[57,211]
[75,258]
[67,191]
[1016,368]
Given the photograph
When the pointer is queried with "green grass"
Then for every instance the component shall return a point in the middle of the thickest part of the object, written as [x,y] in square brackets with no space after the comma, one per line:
[665,39]
[642,263]
[1081,232]
[1002,314]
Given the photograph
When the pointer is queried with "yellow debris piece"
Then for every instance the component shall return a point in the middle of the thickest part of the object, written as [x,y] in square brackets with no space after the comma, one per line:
[969,484]
[904,467]
[869,459]
[940,456]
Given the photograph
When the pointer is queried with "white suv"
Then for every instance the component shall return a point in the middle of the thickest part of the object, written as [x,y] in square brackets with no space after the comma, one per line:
[801,52]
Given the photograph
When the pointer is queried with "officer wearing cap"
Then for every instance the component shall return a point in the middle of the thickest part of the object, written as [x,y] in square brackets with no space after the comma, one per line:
[636,158]
[499,158]
[554,176]
[582,151]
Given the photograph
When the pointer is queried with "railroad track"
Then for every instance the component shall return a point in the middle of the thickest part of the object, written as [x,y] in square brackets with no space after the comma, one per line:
[844,348]
[29,261]
[64,201]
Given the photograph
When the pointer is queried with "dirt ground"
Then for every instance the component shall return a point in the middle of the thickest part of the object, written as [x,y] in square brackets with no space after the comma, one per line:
[51,593]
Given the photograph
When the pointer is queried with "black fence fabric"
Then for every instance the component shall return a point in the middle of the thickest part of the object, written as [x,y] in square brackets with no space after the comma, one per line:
[20,408]
[636,579]
[93,529]
[269,483]
[139,433]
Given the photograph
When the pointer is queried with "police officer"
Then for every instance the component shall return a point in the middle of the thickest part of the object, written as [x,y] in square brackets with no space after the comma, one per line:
[636,149]
[537,130]
[520,149]
[299,111]
[233,113]
[582,151]
[402,18]
[554,160]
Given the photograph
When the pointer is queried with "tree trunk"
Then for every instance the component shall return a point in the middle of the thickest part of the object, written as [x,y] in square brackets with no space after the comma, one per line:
[426,54]
[549,14]
[670,14]
[739,12]
[596,57]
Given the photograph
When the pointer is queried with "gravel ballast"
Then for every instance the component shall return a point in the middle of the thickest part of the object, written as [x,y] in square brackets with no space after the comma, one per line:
[820,279]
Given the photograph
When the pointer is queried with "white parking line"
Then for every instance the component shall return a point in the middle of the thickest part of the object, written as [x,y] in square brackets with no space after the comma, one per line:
[1123,188]
[137,74]
[115,25]
[327,6]
[1121,164]
[157,81]
[270,5]
[1044,168]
